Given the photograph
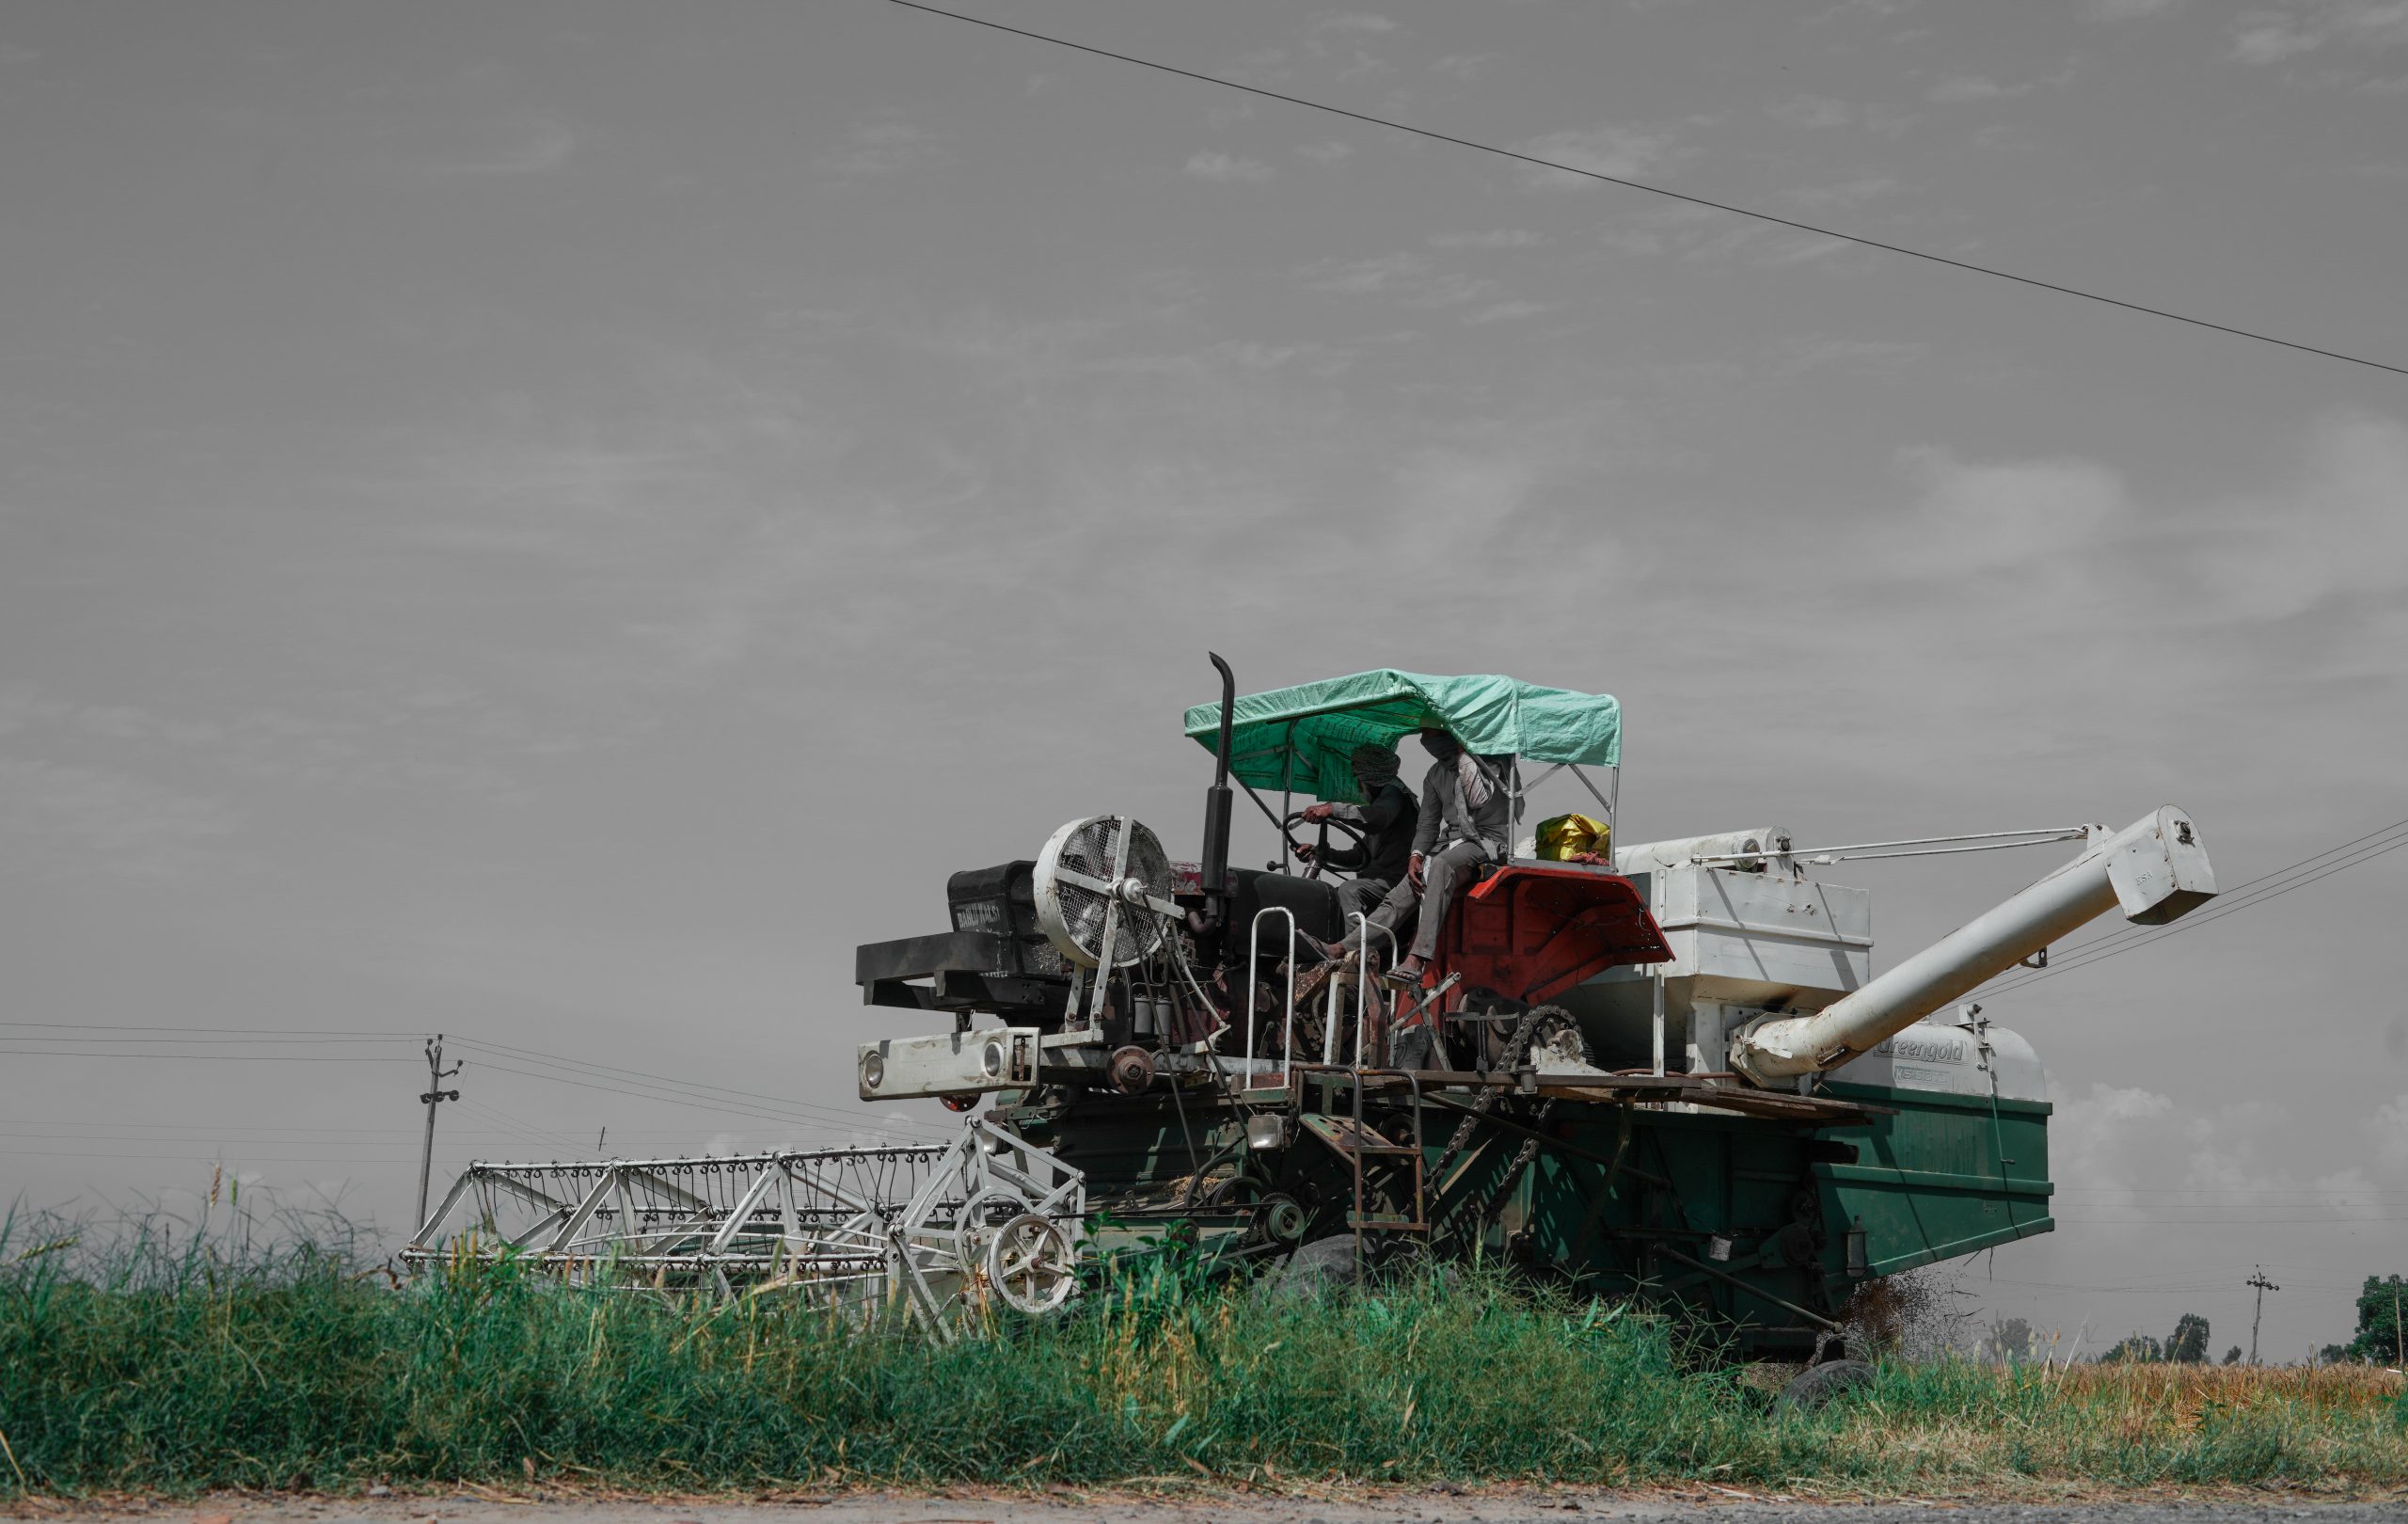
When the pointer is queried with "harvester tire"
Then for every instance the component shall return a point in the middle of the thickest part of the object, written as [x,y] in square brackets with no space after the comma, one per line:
[1820,1384]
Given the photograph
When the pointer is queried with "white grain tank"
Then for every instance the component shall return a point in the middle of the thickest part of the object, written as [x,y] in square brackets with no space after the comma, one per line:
[1750,936]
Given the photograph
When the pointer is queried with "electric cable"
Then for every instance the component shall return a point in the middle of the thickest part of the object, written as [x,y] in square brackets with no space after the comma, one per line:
[240,1031]
[192,1057]
[641,1077]
[2096,952]
[1732,209]
[729,1109]
[2246,889]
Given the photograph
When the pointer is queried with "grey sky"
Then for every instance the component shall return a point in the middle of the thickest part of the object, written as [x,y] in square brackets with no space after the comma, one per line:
[552,522]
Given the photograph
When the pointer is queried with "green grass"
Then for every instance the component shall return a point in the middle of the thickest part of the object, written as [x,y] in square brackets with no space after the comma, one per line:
[156,1368]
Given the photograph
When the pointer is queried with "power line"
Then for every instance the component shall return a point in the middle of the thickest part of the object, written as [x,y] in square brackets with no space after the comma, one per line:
[189,1057]
[2099,951]
[2246,889]
[397,1160]
[728,1108]
[1659,190]
[540,1135]
[239,1031]
[212,1041]
[644,1077]
[174,1044]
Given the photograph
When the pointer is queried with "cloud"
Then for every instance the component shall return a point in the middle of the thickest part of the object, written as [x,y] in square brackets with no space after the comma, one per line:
[1813,111]
[1465,65]
[1845,193]
[1973,515]
[1506,311]
[1327,154]
[535,145]
[2338,528]
[1623,152]
[877,148]
[1229,169]
[2123,10]
[2147,1155]
[2276,33]
[1494,238]
[1354,21]
[109,818]
[1957,88]
[1409,278]
[1861,11]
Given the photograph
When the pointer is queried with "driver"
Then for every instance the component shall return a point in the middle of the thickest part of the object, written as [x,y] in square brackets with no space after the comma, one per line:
[1386,818]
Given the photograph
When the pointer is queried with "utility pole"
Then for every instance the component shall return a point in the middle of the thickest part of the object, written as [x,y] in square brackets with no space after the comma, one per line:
[2258,1279]
[435,1095]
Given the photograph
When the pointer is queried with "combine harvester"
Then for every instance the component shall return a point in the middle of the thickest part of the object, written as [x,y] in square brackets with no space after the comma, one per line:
[1674,1077]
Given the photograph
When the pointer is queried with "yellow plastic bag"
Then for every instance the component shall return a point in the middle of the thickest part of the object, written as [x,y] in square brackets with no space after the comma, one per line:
[1567,836]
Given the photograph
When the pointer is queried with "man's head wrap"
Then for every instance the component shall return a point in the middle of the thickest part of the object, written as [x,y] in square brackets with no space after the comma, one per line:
[1373,765]
[1441,744]
[1473,779]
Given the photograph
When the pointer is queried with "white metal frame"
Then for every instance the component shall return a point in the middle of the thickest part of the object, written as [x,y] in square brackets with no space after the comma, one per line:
[857,1225]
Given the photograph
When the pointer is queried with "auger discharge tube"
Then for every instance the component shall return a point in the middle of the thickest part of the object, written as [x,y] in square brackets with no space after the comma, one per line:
[2155,869]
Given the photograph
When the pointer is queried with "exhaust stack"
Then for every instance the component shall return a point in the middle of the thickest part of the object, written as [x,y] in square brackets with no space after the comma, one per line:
[2155,869]
[1216,807]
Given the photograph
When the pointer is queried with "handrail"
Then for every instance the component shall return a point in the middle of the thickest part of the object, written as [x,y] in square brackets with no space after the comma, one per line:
[1253,951]
[1363,973]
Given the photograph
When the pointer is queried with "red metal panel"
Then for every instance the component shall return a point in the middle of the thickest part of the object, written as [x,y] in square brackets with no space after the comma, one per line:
[1533,931]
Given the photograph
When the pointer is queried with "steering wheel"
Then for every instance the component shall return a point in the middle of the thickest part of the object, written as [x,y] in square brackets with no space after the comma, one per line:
[1353,833]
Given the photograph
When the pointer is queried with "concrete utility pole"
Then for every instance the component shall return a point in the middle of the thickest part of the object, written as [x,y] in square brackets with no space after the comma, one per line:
[2258,1279]
[435,1095]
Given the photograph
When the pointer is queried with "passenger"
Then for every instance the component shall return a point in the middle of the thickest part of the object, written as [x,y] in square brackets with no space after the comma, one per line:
[1467,818]
[1386,817]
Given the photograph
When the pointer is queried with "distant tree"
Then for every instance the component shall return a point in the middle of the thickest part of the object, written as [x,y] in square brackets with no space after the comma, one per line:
[2334,1354]
[2008,1342]
[2188,1346]
[2383,1306]
[2133,1349]
[2232,1355]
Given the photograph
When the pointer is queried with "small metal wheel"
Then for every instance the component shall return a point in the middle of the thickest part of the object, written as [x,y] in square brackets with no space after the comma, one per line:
[1032,1264]
[1822,1383]
[974,1225]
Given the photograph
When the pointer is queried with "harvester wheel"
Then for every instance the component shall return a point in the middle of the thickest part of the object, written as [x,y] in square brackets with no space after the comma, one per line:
[1032,1264]
[1821,1383]
[975,1224]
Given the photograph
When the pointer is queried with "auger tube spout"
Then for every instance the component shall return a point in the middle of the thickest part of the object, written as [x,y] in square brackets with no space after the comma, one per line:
[2155,870]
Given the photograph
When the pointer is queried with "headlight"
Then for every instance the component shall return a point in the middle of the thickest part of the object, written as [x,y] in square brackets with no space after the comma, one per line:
[873,1070]
[992,1060]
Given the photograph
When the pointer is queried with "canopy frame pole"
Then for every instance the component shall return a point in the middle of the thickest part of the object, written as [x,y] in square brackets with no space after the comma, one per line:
[1286,789]
[1260,805]
[1602,802]
[1613,802]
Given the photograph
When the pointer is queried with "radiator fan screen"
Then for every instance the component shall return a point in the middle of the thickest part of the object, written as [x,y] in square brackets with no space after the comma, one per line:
[1075,877]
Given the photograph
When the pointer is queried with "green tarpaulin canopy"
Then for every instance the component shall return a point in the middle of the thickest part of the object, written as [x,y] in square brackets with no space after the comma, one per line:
[1491,716]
